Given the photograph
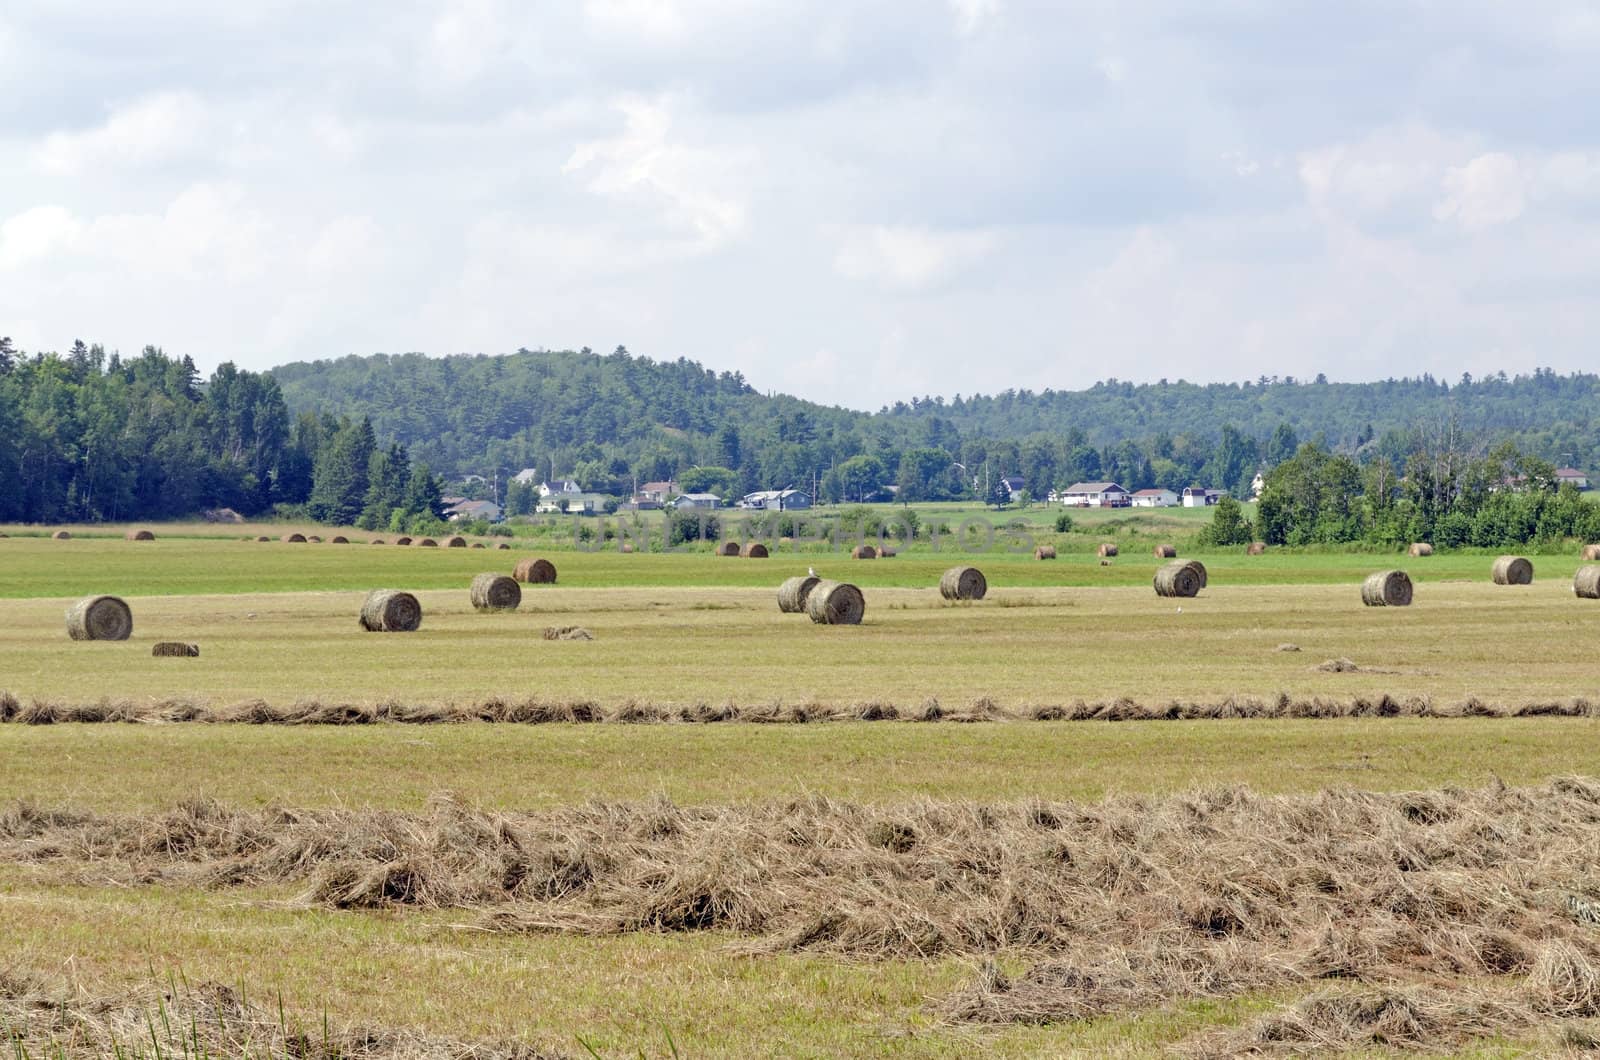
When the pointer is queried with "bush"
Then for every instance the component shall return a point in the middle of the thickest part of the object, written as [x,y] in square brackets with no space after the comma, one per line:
[1063,523]
[499,530]
[1228,526]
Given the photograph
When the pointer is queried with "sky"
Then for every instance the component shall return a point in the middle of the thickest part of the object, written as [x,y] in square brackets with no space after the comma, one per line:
[852,202]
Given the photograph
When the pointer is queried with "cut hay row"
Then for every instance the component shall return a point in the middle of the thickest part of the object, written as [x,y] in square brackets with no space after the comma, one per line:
[1390,588]
[1177,578]
[1124,905]
[100,618]
[495,592]
[963,583]
[1511,570]
[535,571]
[835,604]
[535,711]
[390,611]
[793,592]
[1586,583]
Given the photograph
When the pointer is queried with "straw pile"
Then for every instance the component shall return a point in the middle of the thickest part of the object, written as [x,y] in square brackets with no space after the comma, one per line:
[402,541]
[1387,588]
[1256,548]
[175,649]
[1045,552]
[61,535]
[863,552]
[1421,548]
[535,571]
[835,604]
[1177,579]
[1586,583]
[793,592]
[1166,552]
[495,592]
[138,535]
[390,611]
[755,550]
[1590,553]
[963,583]
[293,539]
[727,548]
[1512,570]
[1106,550]
[99,618]
[456,542]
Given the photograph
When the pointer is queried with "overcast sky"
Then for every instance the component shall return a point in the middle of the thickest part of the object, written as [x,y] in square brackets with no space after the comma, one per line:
[855,202]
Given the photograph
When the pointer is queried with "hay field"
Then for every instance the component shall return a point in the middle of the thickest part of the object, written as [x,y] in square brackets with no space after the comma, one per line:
[639,887]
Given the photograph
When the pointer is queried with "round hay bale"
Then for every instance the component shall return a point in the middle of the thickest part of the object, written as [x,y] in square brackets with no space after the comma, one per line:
[174,649]
[376,541]
[390,611]
[138,535]
[754,550]
[61,535]
[1200,571]
[1045,552]
[535,571]
[314,539]
[99,618]
[1166,552]
[1387,588]
[885,552]
[1177,579]
[1256,548]
[963,583]
[626,548]
[1512,570]
[495,592]
[1590,552]
[1420,548]
[402,541]
[1105,550]
[455,542]
[479,544]
[835,604]
[727,548]
[863,552]
[503,545]
[427,542]
[293,539]
[339,539]
[263,537]
[793,592]
[1586,583]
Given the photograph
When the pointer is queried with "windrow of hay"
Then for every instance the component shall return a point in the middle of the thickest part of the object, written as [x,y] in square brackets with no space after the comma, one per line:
[1045,552]
[1122,905]
[532,710]
[1512,570]
[195,1020]
[390,611]
[1420,548]
[1256,548]
[864,552]
[1106,550]
[495,592]
[173,649]
[793,592]
[139,535]
[726,548]
[1177,578]
[1166,552]
[963,583]
[1388,588]
[100,618]
[535,571]
[755,550]
[835,604]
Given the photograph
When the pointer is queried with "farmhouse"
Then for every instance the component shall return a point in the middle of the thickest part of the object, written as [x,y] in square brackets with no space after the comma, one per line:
[1572,475]
[464,510]
[1013,485]
[1155,498]
[660,492]
[1096,495]
[775,500]
[697,500]
[560,487]
[576,503]
[1196,497]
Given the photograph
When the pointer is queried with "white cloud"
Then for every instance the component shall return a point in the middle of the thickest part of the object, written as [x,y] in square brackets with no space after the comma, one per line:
[1487,191]
[149,131]
[972,14]
[35,234]
[909,257]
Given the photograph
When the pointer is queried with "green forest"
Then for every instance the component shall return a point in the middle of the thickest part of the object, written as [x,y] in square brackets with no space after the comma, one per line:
[89,436]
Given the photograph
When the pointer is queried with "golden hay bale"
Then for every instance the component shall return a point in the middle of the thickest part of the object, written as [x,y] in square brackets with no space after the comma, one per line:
[402,541]
[376,541]
[1512,570]
[1256,548]
[793,592]
[504,546]
[535,571]
[479,544]
[835,604]
[293,539]
[1177,579]
[626,548]
[727,548]
[885,552]
[1045,552]
[314,539]
[863,552]
[339,539]
[263,537]
[99,618]
[963,583]
[495,592]
[1586,583]
[174,649]
[427,542]
[1200,571]
[755,550]
[1420,548]
[138,535]
[1107,549]
[1387,588]
[455,542]
[61,535]
[1590,552]
[1166,552]
[390,611]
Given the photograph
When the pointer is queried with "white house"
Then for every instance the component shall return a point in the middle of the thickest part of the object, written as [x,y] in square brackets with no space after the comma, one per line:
[1195,497]
[697,500]
[776,500]
[1155,498]
[1572,475]
[560,487]
[660,492]
[1095,495]
[577,503]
